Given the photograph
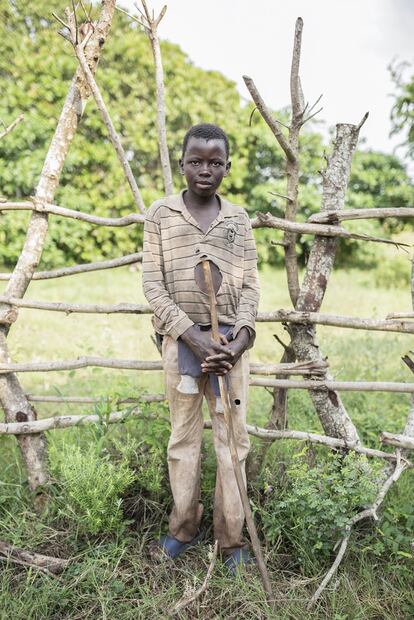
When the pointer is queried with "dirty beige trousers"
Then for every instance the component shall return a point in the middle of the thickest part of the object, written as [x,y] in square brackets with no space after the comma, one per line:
[184,455]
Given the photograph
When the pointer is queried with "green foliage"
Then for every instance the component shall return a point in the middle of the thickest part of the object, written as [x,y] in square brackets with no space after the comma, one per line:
[89,487]
[35,81]
[310,507]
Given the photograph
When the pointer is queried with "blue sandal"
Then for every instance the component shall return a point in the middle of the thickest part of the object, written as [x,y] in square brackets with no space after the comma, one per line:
[172,547]
[237,559]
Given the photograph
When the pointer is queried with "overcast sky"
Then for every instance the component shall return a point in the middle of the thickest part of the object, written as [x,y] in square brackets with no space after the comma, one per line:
[346,48]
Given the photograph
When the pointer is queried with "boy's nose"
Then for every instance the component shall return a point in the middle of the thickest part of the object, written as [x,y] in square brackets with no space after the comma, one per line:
[205,170]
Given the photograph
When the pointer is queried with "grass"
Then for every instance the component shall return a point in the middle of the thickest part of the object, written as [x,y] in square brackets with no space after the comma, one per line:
[112,576]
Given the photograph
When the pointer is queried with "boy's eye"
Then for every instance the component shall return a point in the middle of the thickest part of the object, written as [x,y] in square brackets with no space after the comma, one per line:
[217,163]
[194,162]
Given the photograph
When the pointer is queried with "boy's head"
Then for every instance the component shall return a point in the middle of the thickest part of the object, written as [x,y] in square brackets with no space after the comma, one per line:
[207,132]
[205,158]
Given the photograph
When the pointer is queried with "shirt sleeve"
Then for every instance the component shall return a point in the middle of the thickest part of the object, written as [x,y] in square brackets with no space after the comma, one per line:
[170,317]
[250,293]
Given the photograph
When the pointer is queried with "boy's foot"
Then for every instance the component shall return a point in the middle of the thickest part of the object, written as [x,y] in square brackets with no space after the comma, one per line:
[237,559]
[170,547]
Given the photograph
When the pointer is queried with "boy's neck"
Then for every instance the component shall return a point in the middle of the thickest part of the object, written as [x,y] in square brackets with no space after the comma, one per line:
[195,201]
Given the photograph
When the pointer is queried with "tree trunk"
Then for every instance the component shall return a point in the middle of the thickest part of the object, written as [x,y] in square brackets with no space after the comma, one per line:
[12,397]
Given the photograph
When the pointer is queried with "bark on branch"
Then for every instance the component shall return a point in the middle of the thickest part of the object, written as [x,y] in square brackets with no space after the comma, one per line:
[60,422]
[12,397]
[150,24]
[37,207]
[128,259]
[268,118]
[333,217]
[102,362]
[323,389]
[266,220]
[294,316]
[44,563]
[330,409]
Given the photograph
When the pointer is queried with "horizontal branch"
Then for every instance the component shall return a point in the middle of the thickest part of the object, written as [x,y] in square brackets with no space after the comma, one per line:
[266,220]
[401,315]
[85,400]
[82,362]
[331,217]
[121,308]
[45,563]
[281,316]
[325,440]
[401,441]
[111,263]
[340,386]
[305,368]
[333,320]
[37,426]
[26,205]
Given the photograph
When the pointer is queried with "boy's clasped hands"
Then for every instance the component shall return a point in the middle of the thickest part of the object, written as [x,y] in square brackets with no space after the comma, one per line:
[216,358]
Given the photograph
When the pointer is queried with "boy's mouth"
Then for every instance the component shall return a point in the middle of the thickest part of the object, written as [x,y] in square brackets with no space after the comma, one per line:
[203,184]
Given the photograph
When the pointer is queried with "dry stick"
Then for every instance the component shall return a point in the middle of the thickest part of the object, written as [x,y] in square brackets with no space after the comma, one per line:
[262,220]
[232,442]
[283,316]
[371,512]
[12,396]
[332,320]
[320,387]
[401,464]
[360,214]
[401,441]
[102,362]
[292,167]
[271,122]
[266,220]
[12,125]
[33,205]
[150,25]
[400,315]
[45,563]
[121,308]
[109,125]
[60,422]
[87,400]
[190,598]
[82,362]
[128,259]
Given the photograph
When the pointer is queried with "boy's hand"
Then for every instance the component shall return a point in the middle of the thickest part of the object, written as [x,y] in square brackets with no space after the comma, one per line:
[203,346]
[229,355]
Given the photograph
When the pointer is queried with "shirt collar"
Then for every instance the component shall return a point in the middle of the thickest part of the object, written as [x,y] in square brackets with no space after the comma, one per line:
[176,203]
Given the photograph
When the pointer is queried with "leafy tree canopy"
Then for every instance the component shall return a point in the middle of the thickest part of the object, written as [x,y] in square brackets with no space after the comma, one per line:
[36,66]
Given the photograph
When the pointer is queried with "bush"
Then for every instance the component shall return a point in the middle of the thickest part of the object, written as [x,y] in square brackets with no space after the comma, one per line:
[309,508]
[90,487]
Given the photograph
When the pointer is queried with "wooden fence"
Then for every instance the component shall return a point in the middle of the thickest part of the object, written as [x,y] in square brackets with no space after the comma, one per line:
[302,356]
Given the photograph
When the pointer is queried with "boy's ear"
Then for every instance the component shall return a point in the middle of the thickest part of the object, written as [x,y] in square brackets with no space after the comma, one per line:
[228,166]
[181,166]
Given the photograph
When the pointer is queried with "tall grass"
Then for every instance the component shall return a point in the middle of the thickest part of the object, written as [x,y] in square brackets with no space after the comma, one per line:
[122,501]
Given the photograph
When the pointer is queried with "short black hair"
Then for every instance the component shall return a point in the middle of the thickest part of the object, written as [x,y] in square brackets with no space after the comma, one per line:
[208,132]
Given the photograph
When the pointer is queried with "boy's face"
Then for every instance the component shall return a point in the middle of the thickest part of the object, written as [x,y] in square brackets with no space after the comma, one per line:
[204,165]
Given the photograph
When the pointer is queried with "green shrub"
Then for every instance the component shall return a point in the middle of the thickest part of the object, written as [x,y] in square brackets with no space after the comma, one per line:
[89,487]
[309,507]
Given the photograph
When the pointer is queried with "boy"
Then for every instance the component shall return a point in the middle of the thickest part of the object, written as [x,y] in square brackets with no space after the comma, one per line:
[180,231]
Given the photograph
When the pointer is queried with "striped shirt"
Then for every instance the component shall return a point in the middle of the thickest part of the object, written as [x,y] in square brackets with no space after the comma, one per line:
[174,244]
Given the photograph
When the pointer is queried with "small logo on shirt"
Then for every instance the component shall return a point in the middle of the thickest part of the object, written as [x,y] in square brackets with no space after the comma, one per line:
[231,231]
